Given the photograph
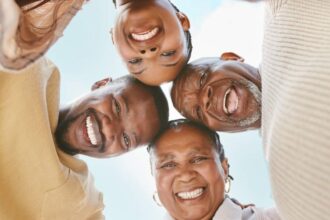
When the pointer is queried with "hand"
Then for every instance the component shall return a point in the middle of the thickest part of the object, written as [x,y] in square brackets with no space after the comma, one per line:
[241,205]
[29,29]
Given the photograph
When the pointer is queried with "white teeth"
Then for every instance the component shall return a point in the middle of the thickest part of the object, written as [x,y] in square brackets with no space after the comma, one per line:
[225,100]
[192,194]
[90,130]
[146,35]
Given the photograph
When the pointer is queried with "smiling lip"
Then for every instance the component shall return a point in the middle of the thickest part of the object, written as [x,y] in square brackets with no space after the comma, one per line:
[145,35]
[91,130]
[190,195]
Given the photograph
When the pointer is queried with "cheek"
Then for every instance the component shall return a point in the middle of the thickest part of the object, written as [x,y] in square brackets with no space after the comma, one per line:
[164,184]
[213,176]
[123,47]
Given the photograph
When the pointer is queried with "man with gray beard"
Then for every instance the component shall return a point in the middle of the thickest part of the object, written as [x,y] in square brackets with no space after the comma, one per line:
[222,93]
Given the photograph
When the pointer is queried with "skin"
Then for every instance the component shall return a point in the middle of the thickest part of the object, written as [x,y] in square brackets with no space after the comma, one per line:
[183,164]
[199,94]
[123,114]
[160,58]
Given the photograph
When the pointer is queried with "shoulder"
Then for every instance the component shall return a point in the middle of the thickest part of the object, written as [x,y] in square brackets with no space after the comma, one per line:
[255,213]
[274,6]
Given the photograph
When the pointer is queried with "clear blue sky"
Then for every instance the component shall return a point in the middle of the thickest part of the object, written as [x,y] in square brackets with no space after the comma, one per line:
[85,54]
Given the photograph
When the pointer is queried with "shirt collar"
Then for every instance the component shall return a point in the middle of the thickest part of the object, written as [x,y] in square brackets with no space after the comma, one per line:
[227,211]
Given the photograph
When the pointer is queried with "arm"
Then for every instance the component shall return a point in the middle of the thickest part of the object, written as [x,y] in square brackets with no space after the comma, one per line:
[21,39]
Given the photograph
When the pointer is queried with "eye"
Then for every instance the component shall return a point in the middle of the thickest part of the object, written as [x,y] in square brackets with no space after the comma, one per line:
[135,61]
[168,165]
[198,159]
[203,79]
[168,53]
[117,108]
[199,113]
[127,141]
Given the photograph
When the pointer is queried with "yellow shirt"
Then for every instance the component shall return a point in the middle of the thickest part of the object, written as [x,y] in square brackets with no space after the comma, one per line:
[37,180]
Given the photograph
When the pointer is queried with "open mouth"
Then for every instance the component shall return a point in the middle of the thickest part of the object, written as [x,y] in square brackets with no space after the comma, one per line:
[191,194]
[92,131]
[146,35]
[230,101]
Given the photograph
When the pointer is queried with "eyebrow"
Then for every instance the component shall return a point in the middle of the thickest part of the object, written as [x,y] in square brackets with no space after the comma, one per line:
[165,157]
[171,64]
[125,103]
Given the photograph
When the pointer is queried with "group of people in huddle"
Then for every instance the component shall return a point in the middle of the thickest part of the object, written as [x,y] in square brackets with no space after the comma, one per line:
[41,175]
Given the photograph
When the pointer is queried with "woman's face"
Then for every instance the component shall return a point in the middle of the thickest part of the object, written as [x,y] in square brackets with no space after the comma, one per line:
[190,178]
[149,36]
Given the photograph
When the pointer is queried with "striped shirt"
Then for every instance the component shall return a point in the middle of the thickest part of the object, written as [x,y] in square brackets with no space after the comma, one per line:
[295,74]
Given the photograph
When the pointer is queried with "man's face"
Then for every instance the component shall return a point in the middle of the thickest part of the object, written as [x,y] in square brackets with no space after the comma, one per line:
[223,95]
[149,36]
[110,120]
[190,178]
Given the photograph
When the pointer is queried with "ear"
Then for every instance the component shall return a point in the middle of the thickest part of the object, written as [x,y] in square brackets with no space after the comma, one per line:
[101,83]
[184,20]
[231,56]
[111,35]
[225,167]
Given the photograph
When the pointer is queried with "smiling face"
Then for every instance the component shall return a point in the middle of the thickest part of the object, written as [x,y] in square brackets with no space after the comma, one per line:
[189,176]
[110,120]
[149,36]
[223,95]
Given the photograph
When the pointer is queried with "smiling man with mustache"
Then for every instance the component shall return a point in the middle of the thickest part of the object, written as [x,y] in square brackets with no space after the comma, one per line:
[222,93]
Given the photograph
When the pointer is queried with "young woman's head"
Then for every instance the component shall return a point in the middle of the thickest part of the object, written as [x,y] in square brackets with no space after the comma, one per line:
[153,39]
[190,169]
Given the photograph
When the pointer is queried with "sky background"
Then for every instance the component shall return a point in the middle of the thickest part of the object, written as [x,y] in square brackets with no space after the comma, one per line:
[85,54]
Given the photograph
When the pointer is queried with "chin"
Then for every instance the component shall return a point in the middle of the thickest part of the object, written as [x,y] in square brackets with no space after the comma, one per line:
[61,134]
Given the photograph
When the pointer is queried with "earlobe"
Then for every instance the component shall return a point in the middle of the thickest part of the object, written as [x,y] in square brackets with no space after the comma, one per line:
[231,56]
[101,83]
[111,35]
[225,167]
[184,20]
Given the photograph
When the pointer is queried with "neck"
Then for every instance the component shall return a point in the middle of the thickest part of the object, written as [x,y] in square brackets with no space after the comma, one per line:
[122,2]
[63,112]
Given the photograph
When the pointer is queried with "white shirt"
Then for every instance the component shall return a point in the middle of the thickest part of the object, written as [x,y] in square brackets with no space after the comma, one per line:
[230,211]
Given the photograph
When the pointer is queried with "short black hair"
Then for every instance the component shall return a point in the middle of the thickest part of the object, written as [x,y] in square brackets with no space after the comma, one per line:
[158,97]
[212,135]
[187,33]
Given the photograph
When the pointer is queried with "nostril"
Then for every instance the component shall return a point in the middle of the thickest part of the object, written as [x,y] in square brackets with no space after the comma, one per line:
[209,92]
[142,51]
[153,49]
[207,105]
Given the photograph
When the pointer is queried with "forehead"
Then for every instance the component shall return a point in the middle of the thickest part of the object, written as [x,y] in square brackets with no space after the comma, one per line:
[189,80]
[184,138]
[143,117]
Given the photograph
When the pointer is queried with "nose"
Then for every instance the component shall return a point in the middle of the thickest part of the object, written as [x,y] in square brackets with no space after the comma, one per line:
[111,128]
[149,52]
[206,95]
[186,174]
